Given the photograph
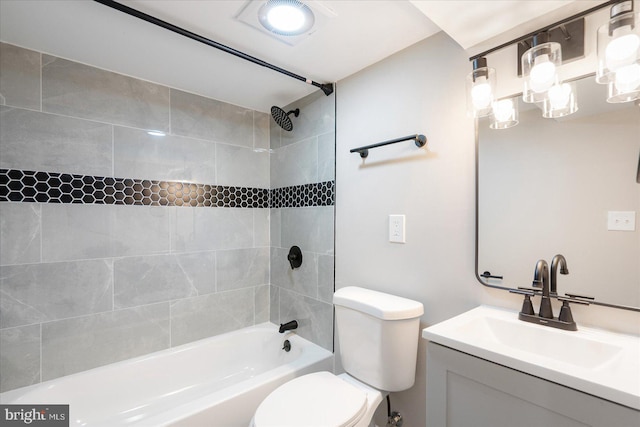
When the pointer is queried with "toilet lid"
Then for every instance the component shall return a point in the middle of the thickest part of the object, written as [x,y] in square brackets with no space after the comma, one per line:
[314,400]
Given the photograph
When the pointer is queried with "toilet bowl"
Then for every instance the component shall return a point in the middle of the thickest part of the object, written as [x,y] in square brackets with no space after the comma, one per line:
[378,338]
[321,399]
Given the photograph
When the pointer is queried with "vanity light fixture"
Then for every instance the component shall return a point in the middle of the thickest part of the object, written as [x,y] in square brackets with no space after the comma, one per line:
[540,56]
[481,85]
[619,53]
[286,17]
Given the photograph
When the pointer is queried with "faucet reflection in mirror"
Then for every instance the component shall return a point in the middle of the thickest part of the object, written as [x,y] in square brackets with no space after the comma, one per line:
[618,48]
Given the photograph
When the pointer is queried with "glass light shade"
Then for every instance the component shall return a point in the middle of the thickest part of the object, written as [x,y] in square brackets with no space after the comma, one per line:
[626,86]
[618,47]
[481,87]
[286,17]
[504,113]
[562,101]
[540,66]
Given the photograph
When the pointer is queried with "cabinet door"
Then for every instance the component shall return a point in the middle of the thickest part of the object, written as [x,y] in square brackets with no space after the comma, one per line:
[465,391]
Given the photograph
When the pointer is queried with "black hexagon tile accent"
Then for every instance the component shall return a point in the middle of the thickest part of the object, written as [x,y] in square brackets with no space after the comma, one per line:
[52,187]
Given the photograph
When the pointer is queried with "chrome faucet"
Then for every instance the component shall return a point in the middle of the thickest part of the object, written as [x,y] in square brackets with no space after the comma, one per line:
[562,262]
[541,278]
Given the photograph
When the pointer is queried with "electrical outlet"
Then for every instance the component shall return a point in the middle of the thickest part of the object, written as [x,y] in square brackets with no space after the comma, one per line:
[621,221]
[396,229]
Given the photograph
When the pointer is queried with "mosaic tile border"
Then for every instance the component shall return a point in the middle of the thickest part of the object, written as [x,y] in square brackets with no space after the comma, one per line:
[51,187]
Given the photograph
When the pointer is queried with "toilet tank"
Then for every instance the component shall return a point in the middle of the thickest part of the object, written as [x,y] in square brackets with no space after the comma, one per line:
[378,337]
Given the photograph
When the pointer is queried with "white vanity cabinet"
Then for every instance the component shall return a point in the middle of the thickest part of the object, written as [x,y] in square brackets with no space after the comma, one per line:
[467,391]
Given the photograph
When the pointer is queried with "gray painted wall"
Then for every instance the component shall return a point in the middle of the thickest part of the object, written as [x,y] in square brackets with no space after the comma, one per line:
[418,90]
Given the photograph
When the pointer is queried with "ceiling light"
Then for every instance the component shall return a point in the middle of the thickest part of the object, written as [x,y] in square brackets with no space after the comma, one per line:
[540,68]
[481,84]
[286,17]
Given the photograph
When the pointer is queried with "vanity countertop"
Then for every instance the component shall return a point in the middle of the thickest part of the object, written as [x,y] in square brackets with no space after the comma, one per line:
[594,361]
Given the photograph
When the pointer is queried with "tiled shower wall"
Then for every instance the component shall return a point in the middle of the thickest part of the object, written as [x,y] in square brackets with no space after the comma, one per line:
[304,155]
[87,284]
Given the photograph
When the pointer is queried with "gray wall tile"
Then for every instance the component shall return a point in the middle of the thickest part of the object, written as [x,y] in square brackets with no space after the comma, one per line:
[150,279]
[274,304]
[261,218]
[242,268]
[35,293]
[262,304]
[19,357]
[261,130]
[201,317]
[19,77]
[317,117]
[275,227]
[198,229]
[19,233]
[315,318]
[46,142]
[303,280]
[97,231]
[78,90]
[200,117]
[174,158]
[310,228]
[295,164]
[82,343]
[242,167]
[275,132]
[326,278]
[327,157]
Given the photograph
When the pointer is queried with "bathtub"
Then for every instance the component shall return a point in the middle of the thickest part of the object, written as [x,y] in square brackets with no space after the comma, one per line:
[218,381]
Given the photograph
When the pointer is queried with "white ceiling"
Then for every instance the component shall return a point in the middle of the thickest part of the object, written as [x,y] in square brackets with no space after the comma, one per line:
[358,34]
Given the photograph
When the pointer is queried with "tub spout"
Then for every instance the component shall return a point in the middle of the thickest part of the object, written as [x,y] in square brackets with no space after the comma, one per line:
[288,326]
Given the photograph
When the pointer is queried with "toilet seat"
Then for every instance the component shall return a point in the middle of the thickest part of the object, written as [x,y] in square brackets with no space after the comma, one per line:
[315,400]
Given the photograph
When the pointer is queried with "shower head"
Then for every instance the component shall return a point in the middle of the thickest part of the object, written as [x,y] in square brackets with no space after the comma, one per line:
[282,119]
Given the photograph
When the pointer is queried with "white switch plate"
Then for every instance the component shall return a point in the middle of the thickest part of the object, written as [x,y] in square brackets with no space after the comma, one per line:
[396,229]
[621,221]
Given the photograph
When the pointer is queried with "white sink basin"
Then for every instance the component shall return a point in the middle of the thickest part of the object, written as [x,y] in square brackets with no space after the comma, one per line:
[597,362]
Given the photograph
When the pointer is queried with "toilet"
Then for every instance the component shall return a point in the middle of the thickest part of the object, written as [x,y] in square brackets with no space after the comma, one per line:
[378,335]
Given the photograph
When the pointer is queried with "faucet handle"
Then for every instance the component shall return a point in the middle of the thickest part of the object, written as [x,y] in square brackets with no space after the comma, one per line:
[535,291]
[524,291]
[576,297]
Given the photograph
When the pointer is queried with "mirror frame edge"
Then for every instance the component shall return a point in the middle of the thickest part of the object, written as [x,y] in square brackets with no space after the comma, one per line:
[477,224]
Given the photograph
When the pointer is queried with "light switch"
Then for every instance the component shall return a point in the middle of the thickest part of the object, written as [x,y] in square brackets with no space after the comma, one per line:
[396,229]
[621,221]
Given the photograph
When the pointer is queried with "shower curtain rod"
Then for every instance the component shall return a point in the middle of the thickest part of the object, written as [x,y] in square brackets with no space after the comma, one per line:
[327,88]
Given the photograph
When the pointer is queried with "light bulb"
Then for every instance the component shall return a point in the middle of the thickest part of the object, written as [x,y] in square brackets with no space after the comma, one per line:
[481,95]
[286,18]
[622,51]
[560,95]
[542,74]
[503,110]
[628,78]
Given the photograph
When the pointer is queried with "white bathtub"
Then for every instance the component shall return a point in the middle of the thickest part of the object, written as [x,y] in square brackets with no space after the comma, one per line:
[218,381]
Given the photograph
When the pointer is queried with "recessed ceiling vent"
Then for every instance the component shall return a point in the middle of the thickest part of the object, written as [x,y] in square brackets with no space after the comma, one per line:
[271,17]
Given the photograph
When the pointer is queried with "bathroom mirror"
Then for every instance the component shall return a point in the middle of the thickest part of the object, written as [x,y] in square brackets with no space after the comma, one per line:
[558,186]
